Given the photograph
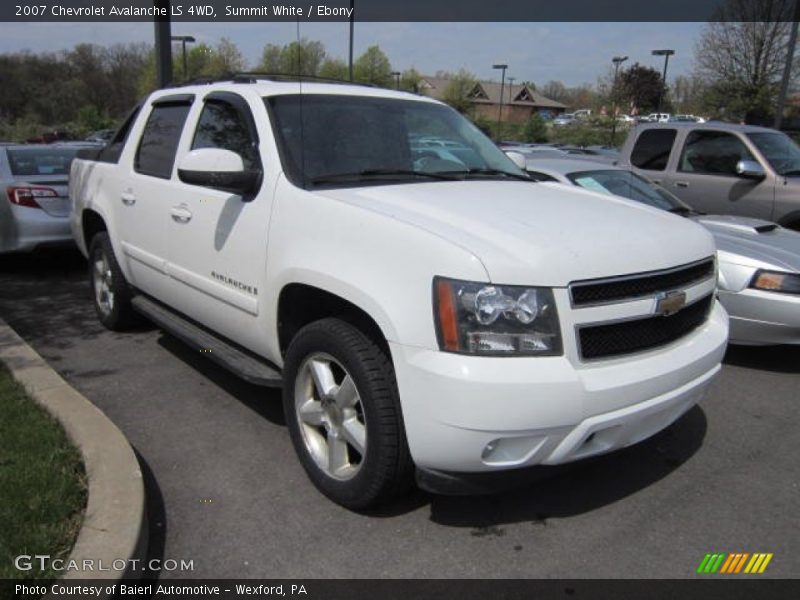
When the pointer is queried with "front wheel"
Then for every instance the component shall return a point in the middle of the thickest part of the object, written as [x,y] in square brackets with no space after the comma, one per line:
[343,414]
[110,291]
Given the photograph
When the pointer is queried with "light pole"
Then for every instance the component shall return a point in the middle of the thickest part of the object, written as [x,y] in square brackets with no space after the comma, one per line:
[396,75]
[350,50]
[184,39]
[666,54]
[502,85]
[617,60]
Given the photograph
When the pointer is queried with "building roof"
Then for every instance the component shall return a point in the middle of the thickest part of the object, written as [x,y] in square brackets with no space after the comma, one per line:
[488,92]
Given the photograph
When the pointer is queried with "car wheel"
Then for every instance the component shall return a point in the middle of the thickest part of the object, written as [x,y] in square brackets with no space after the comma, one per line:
[110,291]
[343,413]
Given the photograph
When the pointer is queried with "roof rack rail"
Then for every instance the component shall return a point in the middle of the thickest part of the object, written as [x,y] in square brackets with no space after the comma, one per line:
[253,76]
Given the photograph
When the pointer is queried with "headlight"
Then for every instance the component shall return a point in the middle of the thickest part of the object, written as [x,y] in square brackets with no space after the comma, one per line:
[499,320]
[775,281]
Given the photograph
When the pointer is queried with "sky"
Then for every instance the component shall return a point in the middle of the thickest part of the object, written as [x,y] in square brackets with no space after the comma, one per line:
[573,53]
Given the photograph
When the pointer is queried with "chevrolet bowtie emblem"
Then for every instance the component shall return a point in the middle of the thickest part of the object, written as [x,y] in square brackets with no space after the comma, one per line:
[668,303]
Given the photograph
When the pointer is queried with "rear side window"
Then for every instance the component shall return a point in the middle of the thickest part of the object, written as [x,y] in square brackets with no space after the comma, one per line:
[42,160]
[713,153]
[651,151]
[156,152]
[111,152]
[222,126]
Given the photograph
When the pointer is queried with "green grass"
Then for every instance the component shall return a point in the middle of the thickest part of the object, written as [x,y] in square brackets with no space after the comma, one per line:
[42,483]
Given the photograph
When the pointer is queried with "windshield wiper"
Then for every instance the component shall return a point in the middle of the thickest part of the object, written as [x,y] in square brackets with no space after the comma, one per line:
[378,173]
[479,172]
[680,210]
[792,173]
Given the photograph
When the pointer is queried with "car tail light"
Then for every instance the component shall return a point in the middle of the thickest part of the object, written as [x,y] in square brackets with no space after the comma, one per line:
[27,195]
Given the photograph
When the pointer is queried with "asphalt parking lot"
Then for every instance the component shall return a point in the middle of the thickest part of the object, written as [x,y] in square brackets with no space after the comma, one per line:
[225,490]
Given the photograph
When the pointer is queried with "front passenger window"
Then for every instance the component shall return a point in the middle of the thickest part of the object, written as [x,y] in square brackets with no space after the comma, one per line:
[713,153]
[221,126]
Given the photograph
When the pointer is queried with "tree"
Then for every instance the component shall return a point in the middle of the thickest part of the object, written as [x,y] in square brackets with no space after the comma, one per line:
[535,129]
[302,58]
[555,90]
[688,94]
[373,66]
[456,94]
[741,53]
[271,59]
[226,59]
[334,68]
[410,79]
[641,86]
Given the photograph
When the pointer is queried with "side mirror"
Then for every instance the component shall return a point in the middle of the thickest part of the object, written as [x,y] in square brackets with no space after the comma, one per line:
[750,169]
[219,169]
[517,158]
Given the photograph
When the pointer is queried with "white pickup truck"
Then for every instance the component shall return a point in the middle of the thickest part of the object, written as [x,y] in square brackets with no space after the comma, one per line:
[426,309]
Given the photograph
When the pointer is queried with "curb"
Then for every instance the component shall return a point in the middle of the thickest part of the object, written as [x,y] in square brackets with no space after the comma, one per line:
[114,525]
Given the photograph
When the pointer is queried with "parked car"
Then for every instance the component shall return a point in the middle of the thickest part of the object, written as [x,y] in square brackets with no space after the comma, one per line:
[721,168]
[564,119]
[627,119]
[655,118]
[419,316]
[759,261]
[34,209]
[102,136]
[685,119]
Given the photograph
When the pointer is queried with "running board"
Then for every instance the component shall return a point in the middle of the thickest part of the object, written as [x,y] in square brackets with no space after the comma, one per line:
[238,361]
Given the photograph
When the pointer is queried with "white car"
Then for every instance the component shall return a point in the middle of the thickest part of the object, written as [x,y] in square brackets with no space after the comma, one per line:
[420,315]
[759,261]
[34,209]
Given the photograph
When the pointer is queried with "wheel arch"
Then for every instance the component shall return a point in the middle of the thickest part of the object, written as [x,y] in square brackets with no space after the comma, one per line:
[300,304]
[92,223]
[791,220]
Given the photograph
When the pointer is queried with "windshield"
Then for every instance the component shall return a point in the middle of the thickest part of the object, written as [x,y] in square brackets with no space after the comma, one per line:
[40,160]
[354,140]
[628,185]
[779,150]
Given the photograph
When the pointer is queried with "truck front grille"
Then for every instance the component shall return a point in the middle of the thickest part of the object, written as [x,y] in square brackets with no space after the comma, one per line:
[631,287]
[626,337]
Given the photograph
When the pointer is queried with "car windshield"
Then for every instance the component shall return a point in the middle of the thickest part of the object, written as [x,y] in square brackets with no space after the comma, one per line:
[40,160]
[342,140]
[628,185]
[779,150]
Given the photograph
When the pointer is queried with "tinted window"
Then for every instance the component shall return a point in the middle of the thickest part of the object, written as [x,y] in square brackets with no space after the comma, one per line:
[781,152]
[352,140]
[112,151]
[156,153]
[652,149]
[222,126]
[42,160]
[712,152]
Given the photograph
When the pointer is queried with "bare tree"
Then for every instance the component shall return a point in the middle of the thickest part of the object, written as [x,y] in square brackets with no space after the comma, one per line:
[741,54]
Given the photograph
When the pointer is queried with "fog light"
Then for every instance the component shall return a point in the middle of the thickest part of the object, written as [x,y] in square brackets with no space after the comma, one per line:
[511,451]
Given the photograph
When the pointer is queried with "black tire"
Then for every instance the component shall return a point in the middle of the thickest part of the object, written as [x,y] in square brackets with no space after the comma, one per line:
[118,315]
[385,470]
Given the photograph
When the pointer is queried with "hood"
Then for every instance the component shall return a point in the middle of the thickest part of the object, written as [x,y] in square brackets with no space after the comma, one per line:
[539,233]
[753,242]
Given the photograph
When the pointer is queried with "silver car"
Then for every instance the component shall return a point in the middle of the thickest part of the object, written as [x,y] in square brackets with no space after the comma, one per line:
[759,261]
[34,209]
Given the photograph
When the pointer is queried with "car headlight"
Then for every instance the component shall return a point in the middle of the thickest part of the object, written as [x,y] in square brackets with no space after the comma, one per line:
[776,281]
[495,320]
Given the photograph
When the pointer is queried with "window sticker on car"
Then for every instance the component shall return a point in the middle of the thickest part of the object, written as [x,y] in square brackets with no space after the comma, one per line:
[592,184]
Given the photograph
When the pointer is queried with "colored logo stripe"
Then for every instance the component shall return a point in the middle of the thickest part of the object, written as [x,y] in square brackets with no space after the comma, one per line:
[734,563]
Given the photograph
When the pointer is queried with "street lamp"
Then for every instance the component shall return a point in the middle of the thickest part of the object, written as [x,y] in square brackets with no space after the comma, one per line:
[666,54]
[396,75]
[184,39]
[617,60]
[502,85]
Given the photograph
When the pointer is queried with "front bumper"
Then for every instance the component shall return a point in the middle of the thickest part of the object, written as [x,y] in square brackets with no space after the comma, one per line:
[480,414]
[760,318]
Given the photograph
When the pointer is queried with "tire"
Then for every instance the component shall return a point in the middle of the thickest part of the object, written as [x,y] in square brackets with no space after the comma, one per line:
[350,438]
[111,294]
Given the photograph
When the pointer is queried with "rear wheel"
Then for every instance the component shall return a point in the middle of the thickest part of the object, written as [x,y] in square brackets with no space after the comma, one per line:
[343,414]
[110,292]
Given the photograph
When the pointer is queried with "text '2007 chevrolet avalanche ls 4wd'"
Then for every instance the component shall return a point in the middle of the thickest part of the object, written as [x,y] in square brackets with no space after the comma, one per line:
[425,307]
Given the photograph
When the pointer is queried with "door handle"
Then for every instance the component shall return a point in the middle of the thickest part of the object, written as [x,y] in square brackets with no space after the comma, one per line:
[656,181]
[180,214]
[682,184]
[128,199]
